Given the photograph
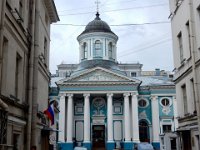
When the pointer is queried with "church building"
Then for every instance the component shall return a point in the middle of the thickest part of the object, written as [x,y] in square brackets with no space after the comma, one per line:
[102,106]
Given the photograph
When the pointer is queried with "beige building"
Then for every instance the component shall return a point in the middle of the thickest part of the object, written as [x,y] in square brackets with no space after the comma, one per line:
[24,73]
[185,20]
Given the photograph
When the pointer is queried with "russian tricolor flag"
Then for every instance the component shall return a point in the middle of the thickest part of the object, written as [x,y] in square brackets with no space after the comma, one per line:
[50,113]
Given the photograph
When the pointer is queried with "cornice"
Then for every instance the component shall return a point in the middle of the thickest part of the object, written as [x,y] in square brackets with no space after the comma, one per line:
[51,8]
[97,83]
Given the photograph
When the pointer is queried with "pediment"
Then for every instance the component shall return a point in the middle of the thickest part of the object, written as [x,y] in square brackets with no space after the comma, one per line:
[99,74]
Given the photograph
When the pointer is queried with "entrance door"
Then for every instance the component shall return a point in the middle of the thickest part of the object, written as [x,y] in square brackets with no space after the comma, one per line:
[98,136]
[144,131]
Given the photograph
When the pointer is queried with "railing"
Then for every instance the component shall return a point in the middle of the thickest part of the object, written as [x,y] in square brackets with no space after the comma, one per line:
[6,147]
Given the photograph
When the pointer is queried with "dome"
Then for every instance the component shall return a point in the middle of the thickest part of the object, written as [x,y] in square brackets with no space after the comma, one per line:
[97,25]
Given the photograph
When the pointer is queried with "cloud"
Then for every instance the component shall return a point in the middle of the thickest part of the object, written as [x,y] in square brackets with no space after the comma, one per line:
[64,46]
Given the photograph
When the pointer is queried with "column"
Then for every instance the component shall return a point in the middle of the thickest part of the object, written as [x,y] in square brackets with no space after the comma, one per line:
[70,118]
[62,119]
[110,117]
[127,134]
[110,141]
[127,117]
[155,121]
[135,121]
[87,142]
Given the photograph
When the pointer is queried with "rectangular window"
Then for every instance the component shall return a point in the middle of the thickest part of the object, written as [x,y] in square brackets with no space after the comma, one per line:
[45,50]
[21,7]
[98,49]
[188,36]
[16,141]
[184,97]
[133,74]
[17,73]
[167,128]
[4,64]
[180,44]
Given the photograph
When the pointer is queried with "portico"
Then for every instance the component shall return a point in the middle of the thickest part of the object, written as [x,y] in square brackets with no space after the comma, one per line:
[90,111]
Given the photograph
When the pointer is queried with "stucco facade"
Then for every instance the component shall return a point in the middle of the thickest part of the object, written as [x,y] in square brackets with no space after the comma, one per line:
[110,105]
[185,21]
[24,73]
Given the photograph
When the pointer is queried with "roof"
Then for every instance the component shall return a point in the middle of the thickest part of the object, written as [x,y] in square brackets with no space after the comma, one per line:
[51,8]
[154,81]
[97,25]
[54,80]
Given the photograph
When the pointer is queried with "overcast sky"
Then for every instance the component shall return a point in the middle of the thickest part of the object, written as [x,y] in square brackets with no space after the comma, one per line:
[148,44]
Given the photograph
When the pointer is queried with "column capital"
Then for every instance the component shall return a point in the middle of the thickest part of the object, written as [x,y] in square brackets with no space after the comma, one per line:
[109,94]
[126,94]
[62,94]
[134,93]
[154,97]
[70,95]
[86,94]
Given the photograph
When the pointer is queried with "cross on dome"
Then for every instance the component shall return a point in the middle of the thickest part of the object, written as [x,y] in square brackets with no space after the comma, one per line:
[97,2]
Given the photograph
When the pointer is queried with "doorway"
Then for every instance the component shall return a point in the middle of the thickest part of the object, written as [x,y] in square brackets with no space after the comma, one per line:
[98,137]
[144,131]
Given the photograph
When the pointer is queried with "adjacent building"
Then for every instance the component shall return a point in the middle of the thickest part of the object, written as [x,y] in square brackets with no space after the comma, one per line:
[106,104]
[24,73]
[185,21]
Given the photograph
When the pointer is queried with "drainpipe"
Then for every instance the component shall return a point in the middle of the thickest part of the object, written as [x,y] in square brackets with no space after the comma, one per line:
[3,7]
[194,69]
[30,71]
[35,76]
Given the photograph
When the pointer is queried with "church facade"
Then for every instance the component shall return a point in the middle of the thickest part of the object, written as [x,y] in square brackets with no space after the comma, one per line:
[102,106]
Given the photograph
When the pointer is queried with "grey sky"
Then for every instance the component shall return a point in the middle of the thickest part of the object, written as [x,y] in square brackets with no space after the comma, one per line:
[150,44]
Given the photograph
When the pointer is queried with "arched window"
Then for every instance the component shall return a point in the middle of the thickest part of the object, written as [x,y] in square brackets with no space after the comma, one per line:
[110,50]
[97,49]
[85,50]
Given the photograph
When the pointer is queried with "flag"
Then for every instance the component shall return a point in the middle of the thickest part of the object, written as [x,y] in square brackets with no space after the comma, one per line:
[50,113]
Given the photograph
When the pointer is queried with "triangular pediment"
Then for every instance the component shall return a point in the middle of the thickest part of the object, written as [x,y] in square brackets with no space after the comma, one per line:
[99,74]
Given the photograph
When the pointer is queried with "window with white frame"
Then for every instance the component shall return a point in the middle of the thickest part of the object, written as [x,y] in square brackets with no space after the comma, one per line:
[167,128]
[85,50]
[133,74]
[143,103]
[97,49]
[110,50]
[165,102]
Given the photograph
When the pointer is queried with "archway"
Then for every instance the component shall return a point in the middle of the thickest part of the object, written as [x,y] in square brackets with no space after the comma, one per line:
[144,131]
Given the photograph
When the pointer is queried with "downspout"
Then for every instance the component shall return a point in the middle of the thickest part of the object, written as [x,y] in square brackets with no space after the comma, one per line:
[3,7]
[30,69]
[35,77]
[194,69]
